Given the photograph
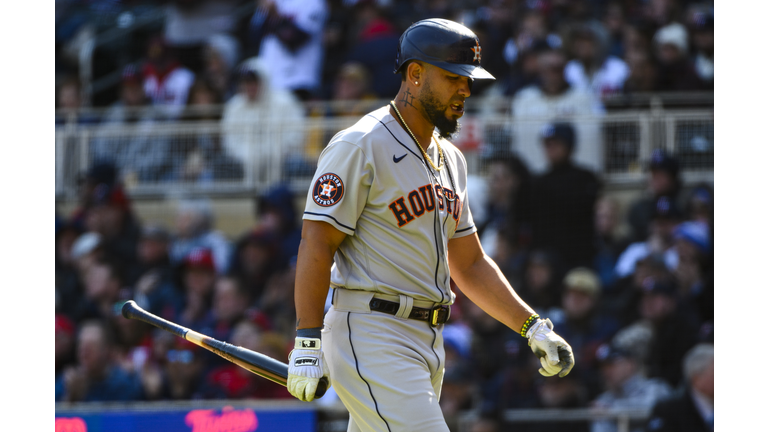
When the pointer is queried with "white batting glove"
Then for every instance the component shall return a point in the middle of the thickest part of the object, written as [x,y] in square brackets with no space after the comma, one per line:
[554,353]
[306,366]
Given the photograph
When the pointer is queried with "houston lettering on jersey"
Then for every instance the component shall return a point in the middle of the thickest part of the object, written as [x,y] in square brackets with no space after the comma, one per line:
[421,201]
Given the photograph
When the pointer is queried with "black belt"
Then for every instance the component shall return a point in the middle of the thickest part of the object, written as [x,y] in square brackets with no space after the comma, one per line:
[437,315]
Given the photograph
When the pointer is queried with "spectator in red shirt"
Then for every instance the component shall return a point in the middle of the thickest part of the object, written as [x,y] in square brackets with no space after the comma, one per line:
[166,81]
[236,382]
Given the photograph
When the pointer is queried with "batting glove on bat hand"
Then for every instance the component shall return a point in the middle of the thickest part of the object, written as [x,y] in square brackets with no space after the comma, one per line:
[306,366]
[554,353]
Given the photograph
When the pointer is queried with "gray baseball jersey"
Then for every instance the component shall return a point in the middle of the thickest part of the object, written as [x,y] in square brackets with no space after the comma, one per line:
[373,184]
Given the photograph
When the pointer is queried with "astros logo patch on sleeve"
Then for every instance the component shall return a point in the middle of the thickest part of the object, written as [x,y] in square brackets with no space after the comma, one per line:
[328,190]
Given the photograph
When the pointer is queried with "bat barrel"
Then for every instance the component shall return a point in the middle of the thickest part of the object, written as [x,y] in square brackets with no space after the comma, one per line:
[257,363]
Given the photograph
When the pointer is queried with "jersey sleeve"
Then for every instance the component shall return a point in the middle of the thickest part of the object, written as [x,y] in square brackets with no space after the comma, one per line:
[339,189]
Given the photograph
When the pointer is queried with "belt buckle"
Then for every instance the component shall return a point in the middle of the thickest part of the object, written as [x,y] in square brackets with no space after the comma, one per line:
[434,315]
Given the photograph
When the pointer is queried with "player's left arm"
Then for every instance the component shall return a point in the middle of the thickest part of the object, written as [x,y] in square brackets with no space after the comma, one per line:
[480,279]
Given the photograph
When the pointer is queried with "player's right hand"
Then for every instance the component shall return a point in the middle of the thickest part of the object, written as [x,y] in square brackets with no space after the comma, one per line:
[306,366]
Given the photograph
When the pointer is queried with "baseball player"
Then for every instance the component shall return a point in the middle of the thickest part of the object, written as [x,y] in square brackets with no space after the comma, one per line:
[387,225]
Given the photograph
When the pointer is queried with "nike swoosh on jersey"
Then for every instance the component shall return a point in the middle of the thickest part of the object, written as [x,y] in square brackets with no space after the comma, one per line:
[398,159]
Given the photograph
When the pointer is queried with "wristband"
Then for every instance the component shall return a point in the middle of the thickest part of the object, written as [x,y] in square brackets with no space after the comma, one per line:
[528,323]
[313,332]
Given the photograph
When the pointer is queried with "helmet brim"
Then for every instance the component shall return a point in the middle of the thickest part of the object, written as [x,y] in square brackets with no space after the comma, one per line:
[467,70]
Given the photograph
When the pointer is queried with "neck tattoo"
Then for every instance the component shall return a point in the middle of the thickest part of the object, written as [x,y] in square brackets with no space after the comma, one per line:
[441,162]
[407,98]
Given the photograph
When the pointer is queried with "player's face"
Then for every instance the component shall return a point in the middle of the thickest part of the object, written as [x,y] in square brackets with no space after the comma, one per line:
[443,98]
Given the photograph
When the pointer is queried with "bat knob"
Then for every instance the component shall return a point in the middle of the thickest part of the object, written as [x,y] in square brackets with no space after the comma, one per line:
[322,387]
[128,308]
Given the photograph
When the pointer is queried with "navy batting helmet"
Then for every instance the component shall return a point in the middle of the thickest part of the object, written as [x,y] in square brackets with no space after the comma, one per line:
[442,43]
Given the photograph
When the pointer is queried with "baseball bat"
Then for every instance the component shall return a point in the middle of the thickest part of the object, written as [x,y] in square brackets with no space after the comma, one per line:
[261,365]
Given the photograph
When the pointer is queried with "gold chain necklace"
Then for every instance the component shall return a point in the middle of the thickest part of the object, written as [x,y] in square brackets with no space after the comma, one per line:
[423,152]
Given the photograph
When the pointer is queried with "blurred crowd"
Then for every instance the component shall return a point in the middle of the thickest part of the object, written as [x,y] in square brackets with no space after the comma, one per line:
[604,46]
[254,69]
[628,285]
[631,291]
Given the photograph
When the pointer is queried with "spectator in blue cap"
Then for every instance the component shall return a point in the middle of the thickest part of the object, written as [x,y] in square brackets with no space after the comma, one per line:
[663,180]
[695,270]
[660,240]
[563,201]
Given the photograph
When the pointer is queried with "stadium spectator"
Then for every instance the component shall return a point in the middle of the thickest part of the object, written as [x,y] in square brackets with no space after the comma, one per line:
[188,152]
[691,410]
[183,371]
[663,180]
[230,302]
[133,342]
[139,155]
[198,278]
[194,228]
[276,302]
[277,214]
[97,173]
[566,393]
[255,259]
[694,249]
[110,215]
[643,73]
[591,67]
[665,217]
[221,54]
[662,307]
[190,24]
[353,86]
[519,54]
[563,200]
[96,378]
[625,386]
[166,81]
[260,123]
[87,250]
[234,382]
[608,241]
[509,183]
[541,286]
[374,46]
[154,283]
[69,104]
[498,357]
[614,20]
[702,30]
[458,389]
[553,99]
[677,72]
[68,95]
[581,317]
[65,343]
[198,156]
[69,290]
[289,33]
[103,283]
[699,206]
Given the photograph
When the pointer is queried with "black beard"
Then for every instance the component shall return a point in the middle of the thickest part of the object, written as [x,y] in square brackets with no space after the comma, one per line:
[436,114]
